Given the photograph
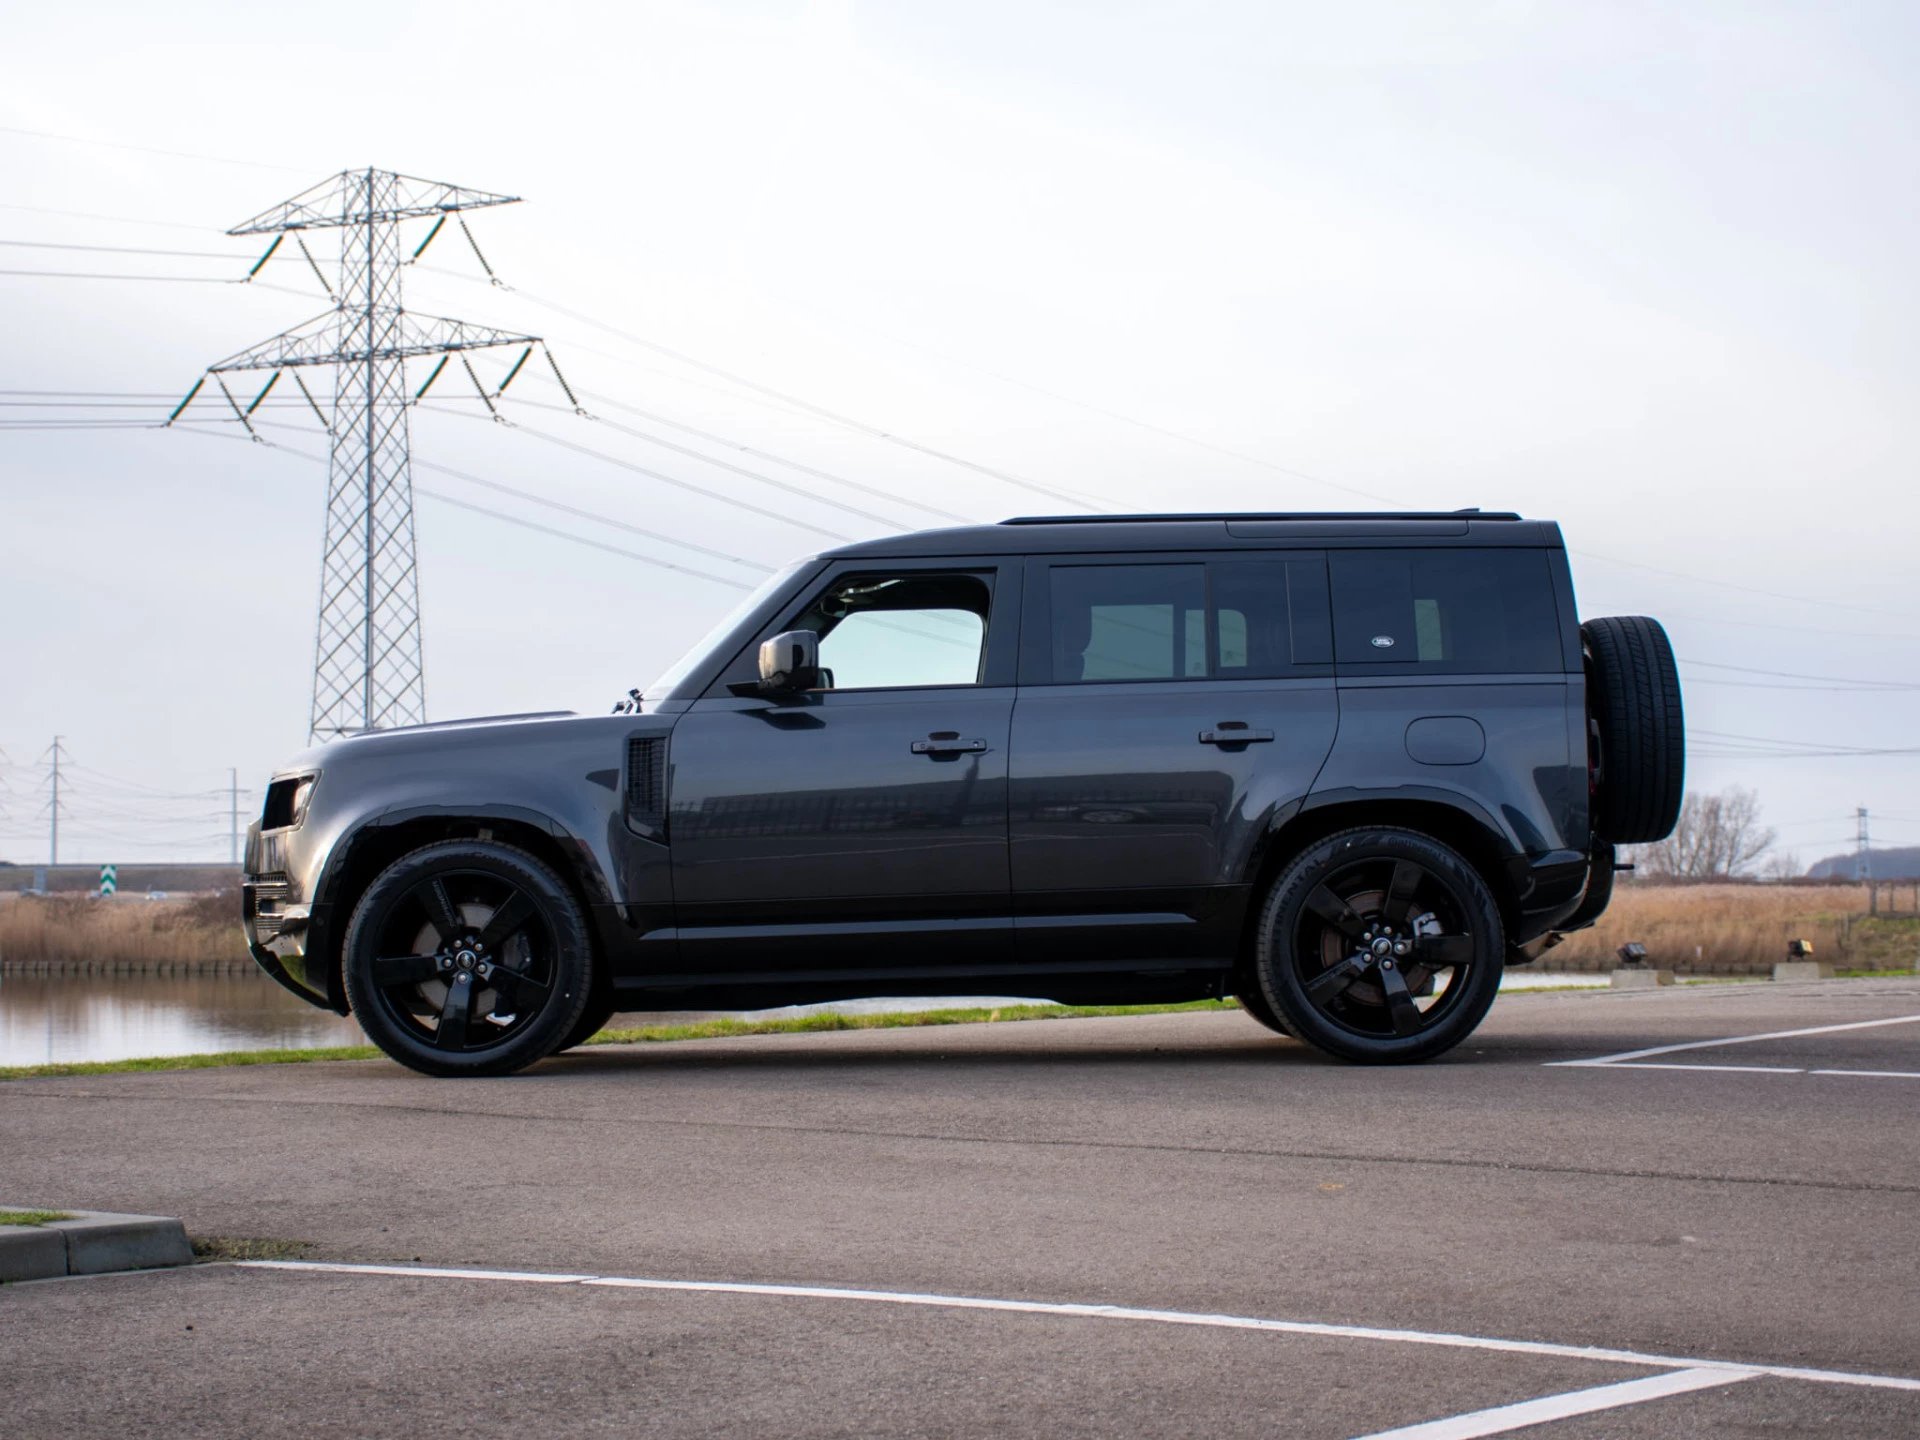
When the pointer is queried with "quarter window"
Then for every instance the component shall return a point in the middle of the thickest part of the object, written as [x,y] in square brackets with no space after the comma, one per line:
[1452,611]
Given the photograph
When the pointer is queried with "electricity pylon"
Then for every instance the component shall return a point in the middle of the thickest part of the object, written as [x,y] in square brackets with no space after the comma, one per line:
[368,670]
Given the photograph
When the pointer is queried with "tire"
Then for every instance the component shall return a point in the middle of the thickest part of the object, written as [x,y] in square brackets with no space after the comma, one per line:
[1255,1004]
[1633,702]
[600,1009]
[468,957]
[1362,928]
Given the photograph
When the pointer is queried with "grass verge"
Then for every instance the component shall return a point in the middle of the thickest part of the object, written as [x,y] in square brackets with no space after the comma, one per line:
[32,1217]
[699,1030]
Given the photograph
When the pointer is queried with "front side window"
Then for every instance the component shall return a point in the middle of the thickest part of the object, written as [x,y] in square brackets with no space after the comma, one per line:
[1454,611]
[883,632]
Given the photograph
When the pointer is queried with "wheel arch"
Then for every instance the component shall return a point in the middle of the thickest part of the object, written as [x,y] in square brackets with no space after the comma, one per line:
[376,843]
[1450,818]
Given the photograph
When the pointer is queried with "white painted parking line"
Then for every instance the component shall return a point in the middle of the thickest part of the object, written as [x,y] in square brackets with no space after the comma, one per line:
[1320,1329]
[1502,1418]
[1873,1074]
[1663,1065]
[1643,1059]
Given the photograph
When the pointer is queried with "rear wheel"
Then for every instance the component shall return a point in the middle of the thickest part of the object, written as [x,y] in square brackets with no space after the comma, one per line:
[1380,945]
[468,957]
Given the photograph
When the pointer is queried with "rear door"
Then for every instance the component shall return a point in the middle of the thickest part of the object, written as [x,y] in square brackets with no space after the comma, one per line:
[1169,708]
[861,825]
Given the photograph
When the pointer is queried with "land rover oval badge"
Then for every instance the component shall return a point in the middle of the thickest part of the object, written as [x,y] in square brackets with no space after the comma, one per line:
[1383,642]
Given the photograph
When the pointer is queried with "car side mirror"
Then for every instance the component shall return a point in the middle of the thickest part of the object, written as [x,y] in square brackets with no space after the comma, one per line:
[789,662]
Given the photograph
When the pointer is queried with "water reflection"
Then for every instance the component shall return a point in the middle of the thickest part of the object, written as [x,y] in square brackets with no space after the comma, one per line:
[48,1019]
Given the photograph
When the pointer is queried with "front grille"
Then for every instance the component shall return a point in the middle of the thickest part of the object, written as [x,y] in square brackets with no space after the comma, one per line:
[647,783]
[263,898]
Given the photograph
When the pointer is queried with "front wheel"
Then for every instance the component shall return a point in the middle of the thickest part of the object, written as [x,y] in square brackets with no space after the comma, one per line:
[468,957]
[1380,945]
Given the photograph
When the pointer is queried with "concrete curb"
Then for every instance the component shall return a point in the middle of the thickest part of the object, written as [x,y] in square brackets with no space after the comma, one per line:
[93,1242]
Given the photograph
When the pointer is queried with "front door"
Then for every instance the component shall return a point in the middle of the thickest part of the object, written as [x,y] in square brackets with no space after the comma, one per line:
[863,824]
[1169,710]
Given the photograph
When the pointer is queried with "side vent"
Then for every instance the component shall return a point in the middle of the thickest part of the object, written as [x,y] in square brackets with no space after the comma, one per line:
[647,785]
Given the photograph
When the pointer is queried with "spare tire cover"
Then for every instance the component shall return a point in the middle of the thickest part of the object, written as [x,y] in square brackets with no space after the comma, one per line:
[1633,702]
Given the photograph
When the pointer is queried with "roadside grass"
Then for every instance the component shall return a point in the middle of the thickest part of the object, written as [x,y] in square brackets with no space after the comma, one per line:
[32,1217]
[240,1247]
[650,1034]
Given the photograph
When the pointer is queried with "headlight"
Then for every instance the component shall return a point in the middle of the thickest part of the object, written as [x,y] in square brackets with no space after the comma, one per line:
[287,802]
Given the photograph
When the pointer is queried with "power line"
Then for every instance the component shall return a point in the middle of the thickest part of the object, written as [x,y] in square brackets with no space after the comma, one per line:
[583,540]
[146,149]
[518,520]
[666,479]
[227,255]
[1733,585]
[1796,675]
[594,516]
[712,438]
[782,485]
[112,219]
[807,406]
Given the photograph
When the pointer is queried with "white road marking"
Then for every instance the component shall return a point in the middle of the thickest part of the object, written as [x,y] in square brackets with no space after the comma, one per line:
[1734,1369]
[1502,1418]
[1661,1065]
[1625,1058]
[1873,1074]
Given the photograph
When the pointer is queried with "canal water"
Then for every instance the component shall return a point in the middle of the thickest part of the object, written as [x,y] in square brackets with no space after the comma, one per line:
[49,1019]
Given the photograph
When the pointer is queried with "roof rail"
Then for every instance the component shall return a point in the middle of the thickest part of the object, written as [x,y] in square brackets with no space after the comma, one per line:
[1468,514]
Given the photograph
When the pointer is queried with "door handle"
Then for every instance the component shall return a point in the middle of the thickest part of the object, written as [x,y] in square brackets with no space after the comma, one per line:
[1233,732]
[948,744]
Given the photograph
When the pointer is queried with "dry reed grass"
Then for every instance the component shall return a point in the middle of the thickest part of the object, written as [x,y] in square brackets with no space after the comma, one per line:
[77,929]
[1733,928]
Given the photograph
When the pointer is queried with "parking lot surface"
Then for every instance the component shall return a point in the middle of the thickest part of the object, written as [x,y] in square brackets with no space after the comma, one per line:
[1154,1225]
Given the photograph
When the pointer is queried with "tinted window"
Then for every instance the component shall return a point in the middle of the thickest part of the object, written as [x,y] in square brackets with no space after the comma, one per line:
[1447,611]
[1229,620]
[882,632]
[1129,622]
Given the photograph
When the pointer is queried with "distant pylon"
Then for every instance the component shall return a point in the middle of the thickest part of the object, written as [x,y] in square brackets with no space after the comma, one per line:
[368,668]
[1863,846]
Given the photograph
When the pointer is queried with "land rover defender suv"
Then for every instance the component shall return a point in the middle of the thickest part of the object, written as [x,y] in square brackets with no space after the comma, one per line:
[1345,767]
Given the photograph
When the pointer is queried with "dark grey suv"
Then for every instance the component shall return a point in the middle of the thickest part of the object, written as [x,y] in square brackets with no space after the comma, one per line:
[1344,767]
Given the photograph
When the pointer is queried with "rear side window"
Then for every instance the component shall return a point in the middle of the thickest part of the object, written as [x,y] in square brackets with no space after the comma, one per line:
[1452,611]
[1229,620]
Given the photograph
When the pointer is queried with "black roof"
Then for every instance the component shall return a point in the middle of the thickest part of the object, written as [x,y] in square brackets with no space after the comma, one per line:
[1038,534]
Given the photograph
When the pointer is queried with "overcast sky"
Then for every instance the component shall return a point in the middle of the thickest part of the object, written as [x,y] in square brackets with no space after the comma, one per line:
[1645,270]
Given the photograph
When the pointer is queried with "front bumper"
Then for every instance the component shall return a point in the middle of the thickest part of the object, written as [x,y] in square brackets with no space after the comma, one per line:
[277,921]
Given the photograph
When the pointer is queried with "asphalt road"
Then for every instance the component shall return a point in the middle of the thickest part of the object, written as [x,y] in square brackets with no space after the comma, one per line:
[1703,1218]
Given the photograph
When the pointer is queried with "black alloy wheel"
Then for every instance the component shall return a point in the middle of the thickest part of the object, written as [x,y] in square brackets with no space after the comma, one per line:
[468,957]
[1380,945]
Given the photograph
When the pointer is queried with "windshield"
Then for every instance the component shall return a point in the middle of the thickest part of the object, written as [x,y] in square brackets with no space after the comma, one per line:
[699,650]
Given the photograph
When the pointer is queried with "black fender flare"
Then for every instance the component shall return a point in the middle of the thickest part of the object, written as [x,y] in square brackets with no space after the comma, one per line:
[584,863]
[1495,842]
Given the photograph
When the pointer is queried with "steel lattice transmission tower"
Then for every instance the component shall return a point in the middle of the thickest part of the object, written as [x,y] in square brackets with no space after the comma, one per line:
[368,669]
